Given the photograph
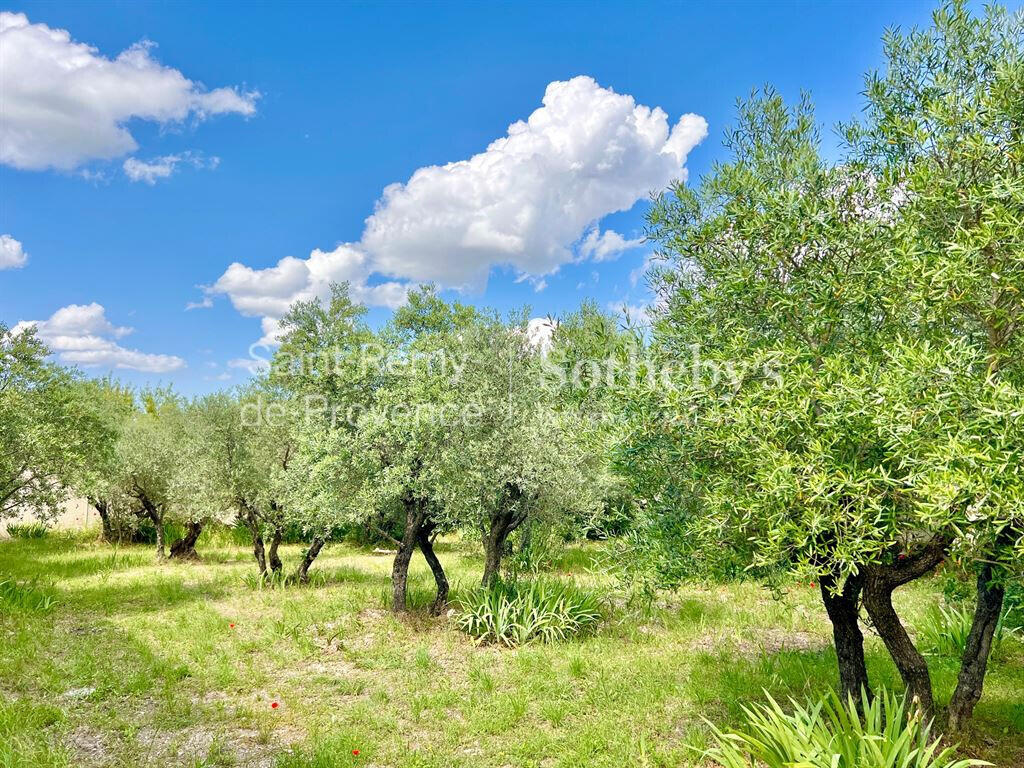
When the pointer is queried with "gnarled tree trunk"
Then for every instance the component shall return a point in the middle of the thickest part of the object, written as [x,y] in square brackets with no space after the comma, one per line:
[156,516]
[415,516]
[503,522]
[302,572]
[185,547]
[974,661]
[880,582]
[273,559]
[427,548]
[843,611]
[248,519]
[103,510]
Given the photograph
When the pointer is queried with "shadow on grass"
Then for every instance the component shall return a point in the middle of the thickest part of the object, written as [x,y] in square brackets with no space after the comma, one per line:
[157,593]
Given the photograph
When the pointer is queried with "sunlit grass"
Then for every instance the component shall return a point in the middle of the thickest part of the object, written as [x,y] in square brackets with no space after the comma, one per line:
[137,663]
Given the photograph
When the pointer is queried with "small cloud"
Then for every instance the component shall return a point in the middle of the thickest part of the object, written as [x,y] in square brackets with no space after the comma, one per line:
[540,332]
[150,171]
[639,272]
[205,303]
[605,246]
[12,255]
[251,364]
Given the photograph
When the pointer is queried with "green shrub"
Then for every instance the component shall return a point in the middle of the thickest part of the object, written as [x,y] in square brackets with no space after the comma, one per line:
[514,613]
[945,629]
[27,530]
[24,597]
[832,734]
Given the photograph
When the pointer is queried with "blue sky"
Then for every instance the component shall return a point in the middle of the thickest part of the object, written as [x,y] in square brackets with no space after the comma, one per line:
[271,131]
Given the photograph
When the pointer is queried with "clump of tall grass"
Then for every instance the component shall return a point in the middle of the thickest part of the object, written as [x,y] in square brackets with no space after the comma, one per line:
[24,738]
[515,613]
[27,530]
[24,596]
[833,734]
[258,582]
[945,629]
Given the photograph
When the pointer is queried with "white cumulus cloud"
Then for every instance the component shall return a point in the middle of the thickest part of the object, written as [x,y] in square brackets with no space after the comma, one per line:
[81,334]
[12,254]
[65,104]
[531,202]
[586,153]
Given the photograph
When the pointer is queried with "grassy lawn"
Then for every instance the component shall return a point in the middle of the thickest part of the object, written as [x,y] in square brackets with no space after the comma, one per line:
[136,664]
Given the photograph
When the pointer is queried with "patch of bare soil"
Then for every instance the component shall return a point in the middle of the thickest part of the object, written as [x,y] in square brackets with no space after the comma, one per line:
[89,746]
[245,748]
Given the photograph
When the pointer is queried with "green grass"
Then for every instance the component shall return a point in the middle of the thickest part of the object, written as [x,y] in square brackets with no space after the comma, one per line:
[135,664]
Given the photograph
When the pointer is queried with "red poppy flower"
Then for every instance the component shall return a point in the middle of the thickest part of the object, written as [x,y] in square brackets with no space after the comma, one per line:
[813,585]
[231,626]
[355,752]
[274,705]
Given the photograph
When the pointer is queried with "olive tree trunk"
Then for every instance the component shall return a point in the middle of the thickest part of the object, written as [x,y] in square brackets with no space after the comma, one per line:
[427,548]
[248,519]
[302,572]
[415,516]
[843,609]
[274,559]
[156,516]
[503,522]
[103,510]
[881,581]
[185,547]
[974,661]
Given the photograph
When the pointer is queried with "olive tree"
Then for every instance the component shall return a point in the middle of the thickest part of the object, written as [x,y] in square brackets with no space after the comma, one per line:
[768,296]
[408,441]
[838,420]
[379,433]
[158,466]
[944,124]
[97,477]
[317,386]
[590,360]
[519,458]
[47,427]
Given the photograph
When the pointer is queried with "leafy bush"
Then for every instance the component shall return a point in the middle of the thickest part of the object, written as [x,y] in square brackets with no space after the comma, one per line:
[27,530]
[514,613]
[25,597]
[945,630]
[832,734]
